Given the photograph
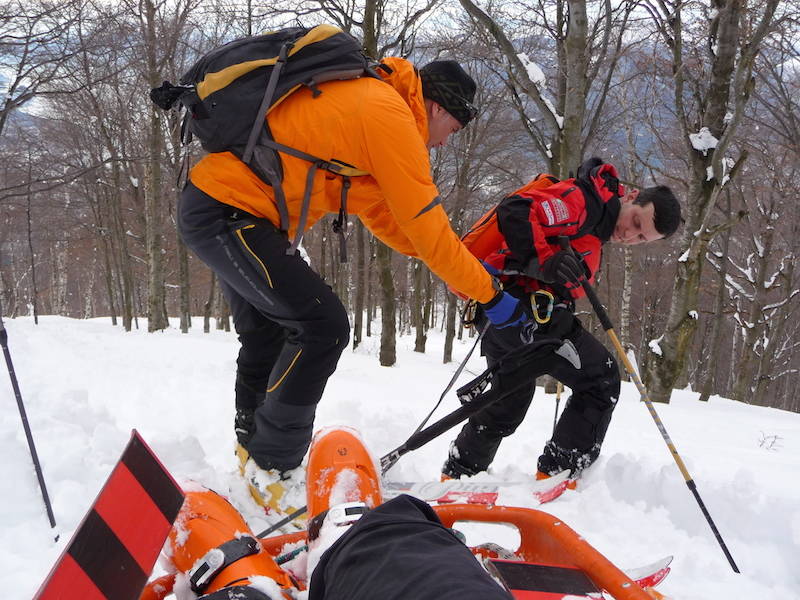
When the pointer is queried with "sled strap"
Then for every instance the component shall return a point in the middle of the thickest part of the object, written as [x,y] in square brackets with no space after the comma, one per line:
[265,102]
[219,558]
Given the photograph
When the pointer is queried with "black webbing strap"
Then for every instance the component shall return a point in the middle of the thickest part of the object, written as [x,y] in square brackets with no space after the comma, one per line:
[333,167]
[202,575]
[280,197]
[301,224]
[340,223]
[265,102]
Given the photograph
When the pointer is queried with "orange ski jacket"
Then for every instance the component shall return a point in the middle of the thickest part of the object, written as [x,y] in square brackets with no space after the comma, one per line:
[379,129]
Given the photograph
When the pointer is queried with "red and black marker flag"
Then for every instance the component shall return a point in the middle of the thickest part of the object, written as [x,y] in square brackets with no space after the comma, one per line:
[529,581]
[112,552]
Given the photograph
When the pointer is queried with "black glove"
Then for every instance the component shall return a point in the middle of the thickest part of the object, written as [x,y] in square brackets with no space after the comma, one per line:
[565,268]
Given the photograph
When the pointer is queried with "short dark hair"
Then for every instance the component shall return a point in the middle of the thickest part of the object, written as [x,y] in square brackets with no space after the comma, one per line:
[667,210]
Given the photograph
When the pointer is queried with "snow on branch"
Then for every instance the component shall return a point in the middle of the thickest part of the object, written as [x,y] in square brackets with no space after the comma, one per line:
[655,346]
[703,141]
[735,285]
[747,272]
[538,79]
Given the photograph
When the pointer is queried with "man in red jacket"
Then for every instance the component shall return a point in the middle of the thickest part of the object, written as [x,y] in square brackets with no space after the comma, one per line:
[589,211]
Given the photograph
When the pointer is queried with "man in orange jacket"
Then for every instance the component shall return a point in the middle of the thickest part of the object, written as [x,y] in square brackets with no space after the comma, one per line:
[291,326]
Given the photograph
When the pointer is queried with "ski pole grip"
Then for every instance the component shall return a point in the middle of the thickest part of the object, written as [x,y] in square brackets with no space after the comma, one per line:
[598,307]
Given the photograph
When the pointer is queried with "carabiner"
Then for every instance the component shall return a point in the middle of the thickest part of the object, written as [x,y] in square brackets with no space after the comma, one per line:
[535,307]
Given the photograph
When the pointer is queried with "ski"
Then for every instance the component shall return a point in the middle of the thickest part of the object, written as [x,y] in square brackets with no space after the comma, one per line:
[113,550]
[477,492]
[652,574]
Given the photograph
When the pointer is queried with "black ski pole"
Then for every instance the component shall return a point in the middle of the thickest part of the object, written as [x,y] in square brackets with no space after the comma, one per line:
[515,366]
[455,376]
[609,329]
[15,384]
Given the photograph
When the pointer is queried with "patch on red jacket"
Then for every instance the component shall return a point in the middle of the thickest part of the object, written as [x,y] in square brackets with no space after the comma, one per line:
[560,208]
[548,212]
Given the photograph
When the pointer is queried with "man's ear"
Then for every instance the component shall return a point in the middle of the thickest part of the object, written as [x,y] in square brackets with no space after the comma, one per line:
[630,196]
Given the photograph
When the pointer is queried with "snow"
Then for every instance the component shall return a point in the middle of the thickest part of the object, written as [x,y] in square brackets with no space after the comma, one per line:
[535,72]
[655,346]
[703,141]
[86,384]
[538,79]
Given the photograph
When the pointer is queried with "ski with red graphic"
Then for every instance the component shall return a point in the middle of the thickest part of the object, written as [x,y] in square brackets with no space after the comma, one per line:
[478,492]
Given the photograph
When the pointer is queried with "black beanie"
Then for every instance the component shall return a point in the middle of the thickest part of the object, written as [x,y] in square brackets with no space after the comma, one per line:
[450,86]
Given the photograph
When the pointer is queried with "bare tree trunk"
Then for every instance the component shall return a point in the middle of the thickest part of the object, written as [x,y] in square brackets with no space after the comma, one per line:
[223,315]
[184,285]
[451,313]
[58,279]
[89,292]
[746,367]
[208,307]
[29,230]
[112,303]
[420,275]
[576,80]
[156,293]
[388,351]
[358,310]
[370,295]
[715,339]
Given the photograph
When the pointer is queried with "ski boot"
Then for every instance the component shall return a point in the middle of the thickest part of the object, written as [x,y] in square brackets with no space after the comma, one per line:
[219,554]
[342,485]
[340,469]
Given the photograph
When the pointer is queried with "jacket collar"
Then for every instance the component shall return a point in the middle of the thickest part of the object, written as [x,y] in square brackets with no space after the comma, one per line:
[406,81]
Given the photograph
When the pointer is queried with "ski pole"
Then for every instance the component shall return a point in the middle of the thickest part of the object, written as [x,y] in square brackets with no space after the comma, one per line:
[18,394]
[559,389]
[609,329]
[454,377]
[474,398]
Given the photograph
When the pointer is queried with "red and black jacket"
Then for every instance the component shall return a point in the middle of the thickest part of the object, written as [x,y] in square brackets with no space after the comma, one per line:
[584,208]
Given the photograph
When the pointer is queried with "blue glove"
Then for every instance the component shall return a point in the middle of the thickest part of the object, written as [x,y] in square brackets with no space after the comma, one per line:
[495,272]
[505,311]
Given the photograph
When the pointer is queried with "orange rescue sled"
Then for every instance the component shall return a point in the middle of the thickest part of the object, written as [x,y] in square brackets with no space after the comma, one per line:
[208,522]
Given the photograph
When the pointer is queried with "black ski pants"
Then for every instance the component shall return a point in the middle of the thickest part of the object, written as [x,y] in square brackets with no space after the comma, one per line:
[291,326]
[399,551]
[584,421]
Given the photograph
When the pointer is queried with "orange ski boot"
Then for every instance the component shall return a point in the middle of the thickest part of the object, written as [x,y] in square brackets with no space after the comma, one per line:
[215,548]
[340,470]
[342,484]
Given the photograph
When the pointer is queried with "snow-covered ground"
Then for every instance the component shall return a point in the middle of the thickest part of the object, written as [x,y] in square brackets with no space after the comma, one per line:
[86,384]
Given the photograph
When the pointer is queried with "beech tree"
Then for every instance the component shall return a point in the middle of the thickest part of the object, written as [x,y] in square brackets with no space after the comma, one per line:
[712,60]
